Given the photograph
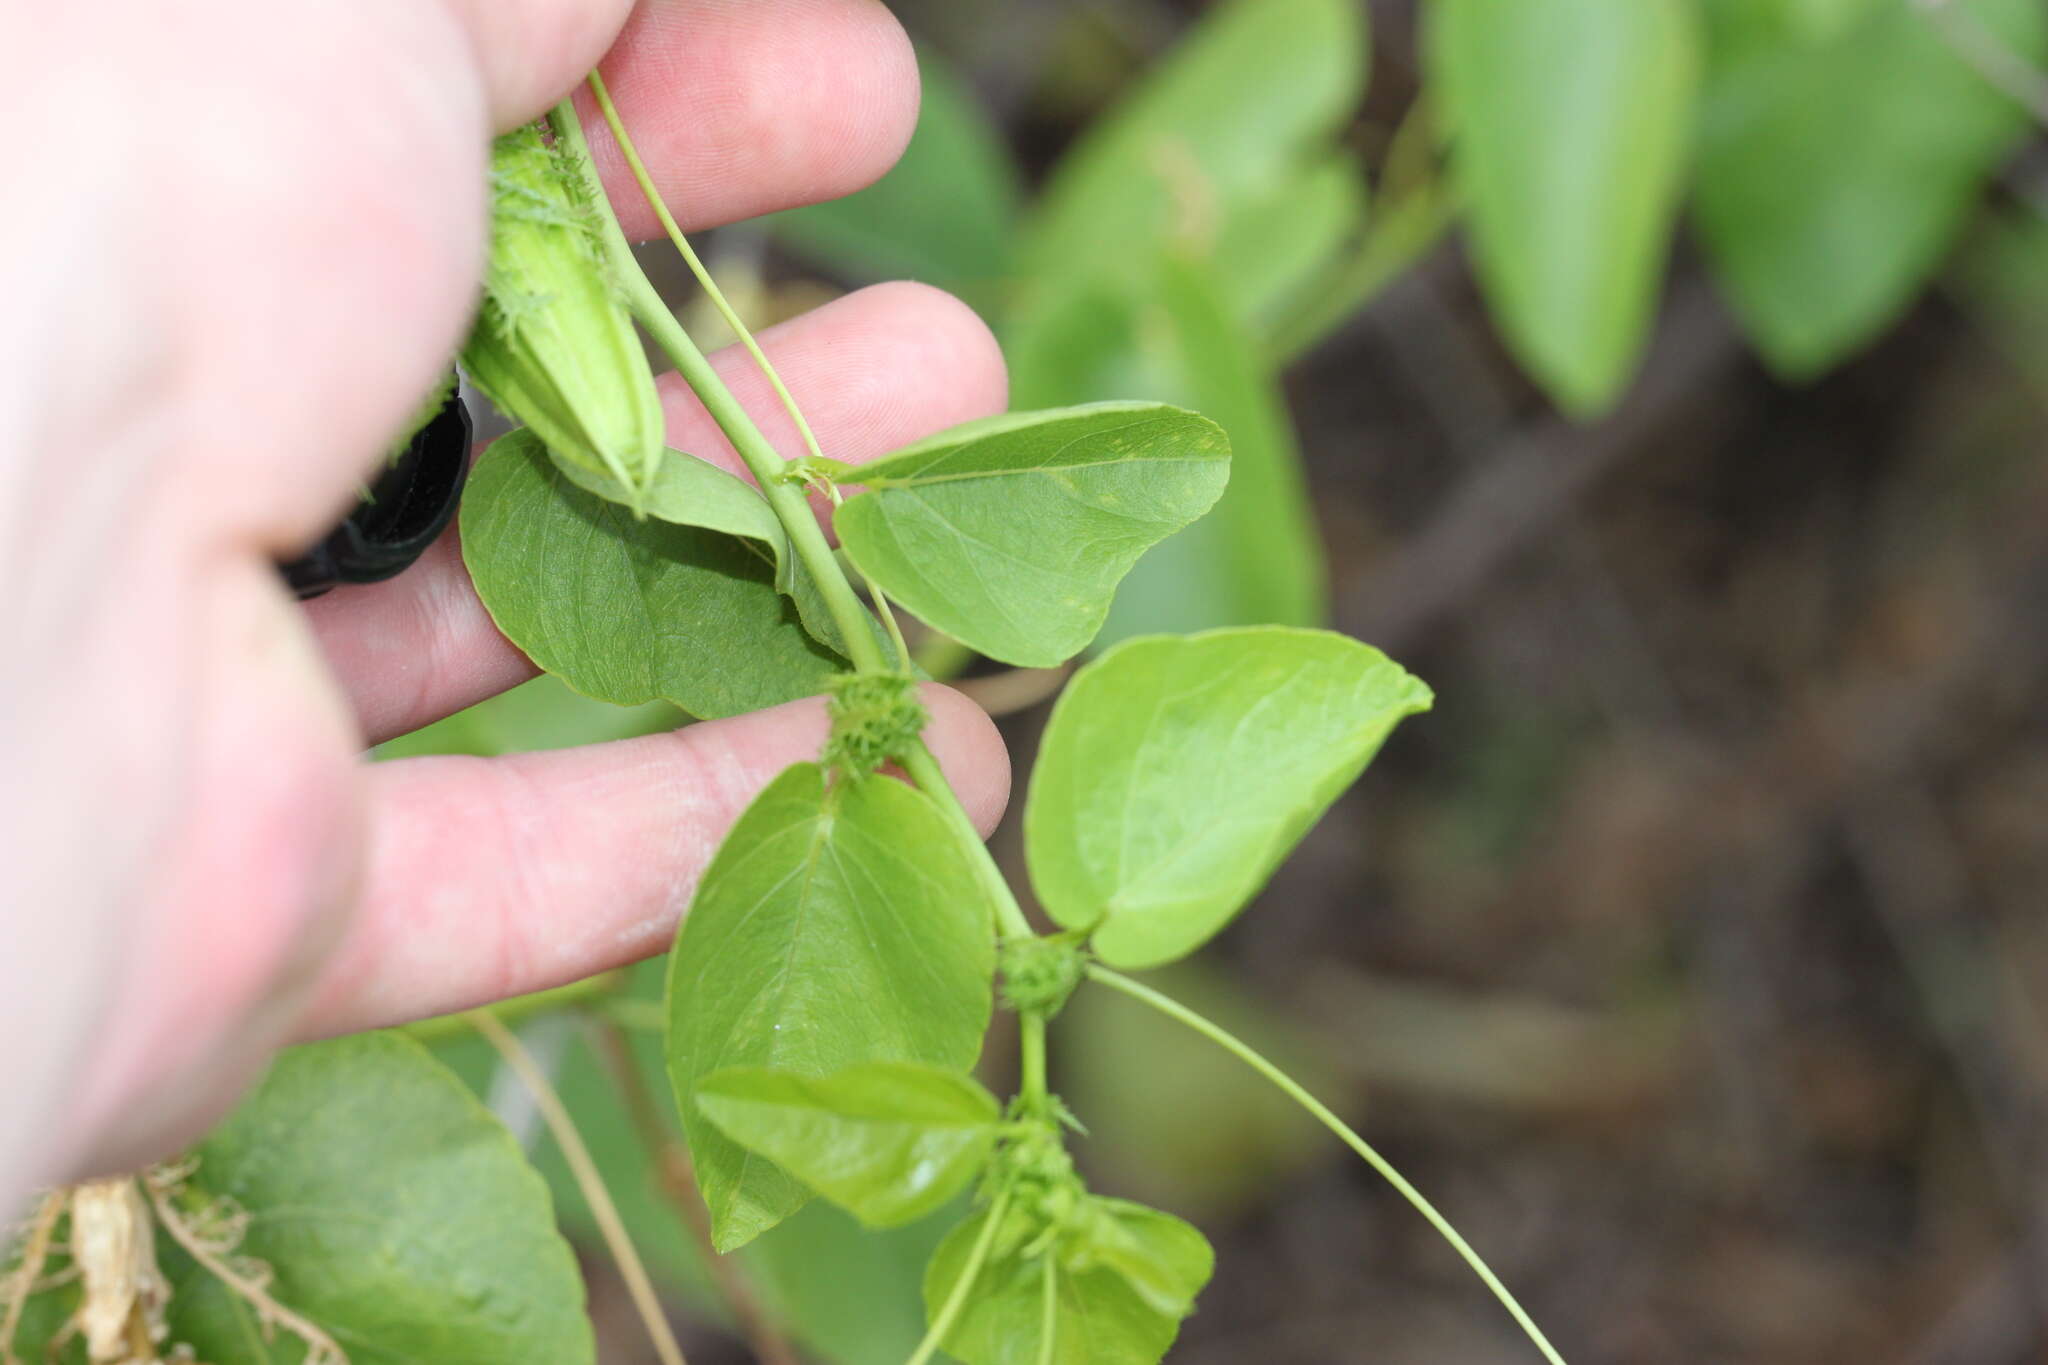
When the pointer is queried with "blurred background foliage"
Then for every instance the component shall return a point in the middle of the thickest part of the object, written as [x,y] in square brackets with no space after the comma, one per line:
[1664,381]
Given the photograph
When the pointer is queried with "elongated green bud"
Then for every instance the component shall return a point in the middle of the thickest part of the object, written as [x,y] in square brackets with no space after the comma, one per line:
[553,343]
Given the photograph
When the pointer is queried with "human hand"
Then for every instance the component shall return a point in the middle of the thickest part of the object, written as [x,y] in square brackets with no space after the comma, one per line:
[255,242]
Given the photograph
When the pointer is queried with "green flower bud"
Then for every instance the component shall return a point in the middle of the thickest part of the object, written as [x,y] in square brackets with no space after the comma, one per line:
[876,717]
[554,345]
[1040,973]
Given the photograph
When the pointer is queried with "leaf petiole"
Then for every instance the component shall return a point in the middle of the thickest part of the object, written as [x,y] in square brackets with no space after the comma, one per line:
[816,455]
[1049,1314]
[956,1300]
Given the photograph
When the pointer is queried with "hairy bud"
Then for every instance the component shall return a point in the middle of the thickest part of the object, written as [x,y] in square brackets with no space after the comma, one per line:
[554,345]
[875,717]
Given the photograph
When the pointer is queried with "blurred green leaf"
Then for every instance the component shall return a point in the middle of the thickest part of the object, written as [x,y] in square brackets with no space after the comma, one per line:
[1276,245]
[1011,534]
[1820,21]
[395,1213]
[1123,1278]
[1833,178]
[1570,122]
[817,941]
[946,214]
[1177,772]
[1256,558]
[850,1292]
[1223,150]
[544,713]
[627,610]
[889,1142]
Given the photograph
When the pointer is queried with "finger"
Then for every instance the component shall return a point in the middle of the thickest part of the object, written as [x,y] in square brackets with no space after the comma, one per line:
[740,109]
[873,372]
[494,877]
[532,52]
[743,109]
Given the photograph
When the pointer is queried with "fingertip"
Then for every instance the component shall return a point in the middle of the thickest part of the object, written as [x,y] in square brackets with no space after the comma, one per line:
[941,335]
[533,52]
[898,92]
[971,753]
[745,109]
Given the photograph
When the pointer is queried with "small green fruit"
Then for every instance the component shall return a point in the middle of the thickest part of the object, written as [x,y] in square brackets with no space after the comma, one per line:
[554,345]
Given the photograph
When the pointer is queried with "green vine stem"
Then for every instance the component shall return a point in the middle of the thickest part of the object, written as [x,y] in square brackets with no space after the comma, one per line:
[786,498]
[602,94]
[1173,1009]
[942,1325]
[1049,1313]
[1031,1030]
[924,771]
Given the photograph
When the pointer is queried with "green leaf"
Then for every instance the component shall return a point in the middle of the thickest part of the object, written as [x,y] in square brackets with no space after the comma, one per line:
[947,212]
[1275,246]
[1177,772]
[833,928]
[631,611]
[395,1213]
[888,1141]
[1011,534]
[692,492]
[1832,179]
[1168,333]
[1257,558]
[541,713]
[1571,121]
[849,1293]
[1238,117]
[1820,21]
[1123,1284]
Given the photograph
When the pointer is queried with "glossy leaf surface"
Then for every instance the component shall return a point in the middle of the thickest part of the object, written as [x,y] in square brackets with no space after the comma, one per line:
[833,928]
[888,1141]
[1177,772]
[1011,534]
[1122,1286]
[632,611]
[395,1212]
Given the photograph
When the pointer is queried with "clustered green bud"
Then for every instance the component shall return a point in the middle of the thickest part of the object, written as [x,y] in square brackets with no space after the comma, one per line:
[554,345]
[876,717]
[1045,1190]
[1040,973]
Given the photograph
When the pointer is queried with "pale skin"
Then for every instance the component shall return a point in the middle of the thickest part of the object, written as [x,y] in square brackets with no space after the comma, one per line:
[240,239]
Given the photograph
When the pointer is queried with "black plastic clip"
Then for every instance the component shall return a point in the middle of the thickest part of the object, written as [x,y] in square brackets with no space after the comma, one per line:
[406,510]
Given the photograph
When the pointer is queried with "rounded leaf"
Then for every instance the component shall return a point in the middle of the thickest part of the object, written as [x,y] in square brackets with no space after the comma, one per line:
[1178,771]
